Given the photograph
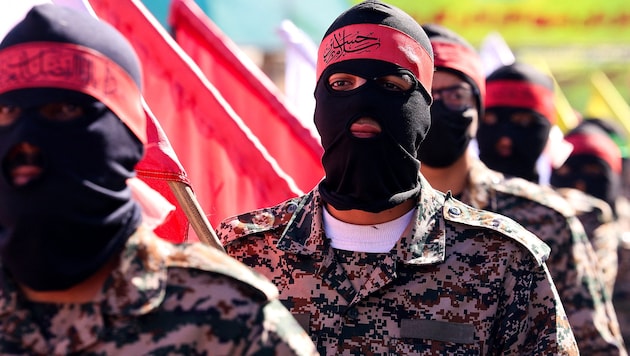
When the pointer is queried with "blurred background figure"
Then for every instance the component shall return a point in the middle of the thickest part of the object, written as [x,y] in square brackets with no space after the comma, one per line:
[594,168]
[619,136]
[592,180]
[447,163]
[519,115]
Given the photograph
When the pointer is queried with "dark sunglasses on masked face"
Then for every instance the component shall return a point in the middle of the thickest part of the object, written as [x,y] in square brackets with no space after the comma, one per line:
[453,113]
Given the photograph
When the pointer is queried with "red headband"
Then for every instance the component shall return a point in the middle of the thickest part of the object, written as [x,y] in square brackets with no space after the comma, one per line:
[596,145]
[78,68]
[371,41]
[519,94]
[462,59]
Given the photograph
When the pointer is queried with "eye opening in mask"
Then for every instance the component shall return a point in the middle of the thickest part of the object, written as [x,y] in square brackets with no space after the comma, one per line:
[62,112]
[456,97]
[593,169]
[53,112]
[563,170]
[399,82]
[525,119]
[9,114]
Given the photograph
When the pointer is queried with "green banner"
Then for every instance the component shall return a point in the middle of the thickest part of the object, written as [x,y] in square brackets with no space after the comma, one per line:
[528,22]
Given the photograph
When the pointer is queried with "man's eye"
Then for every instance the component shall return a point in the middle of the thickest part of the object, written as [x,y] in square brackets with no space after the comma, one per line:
[459,95]
[391,86]
[61,111]
[338,84]
[490,118]
[563,170]
[396,82]
[593,170]
[8,114]
[345,81]
[523,119]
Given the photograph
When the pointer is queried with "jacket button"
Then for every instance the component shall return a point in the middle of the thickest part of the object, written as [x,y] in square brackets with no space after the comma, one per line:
[291,208]
[352,313]
[455,211]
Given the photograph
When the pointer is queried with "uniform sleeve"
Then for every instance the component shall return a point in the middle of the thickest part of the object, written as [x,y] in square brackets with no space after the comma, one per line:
[574,268]
[534,321]
[213,304]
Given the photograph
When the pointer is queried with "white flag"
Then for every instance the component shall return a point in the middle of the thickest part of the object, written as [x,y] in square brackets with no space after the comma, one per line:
[299,80]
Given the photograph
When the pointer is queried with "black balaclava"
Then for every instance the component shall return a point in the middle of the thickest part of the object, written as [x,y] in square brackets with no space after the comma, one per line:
[619,136]
[591,146]
[59,229]
[510,89]
[371,40]
[451,132]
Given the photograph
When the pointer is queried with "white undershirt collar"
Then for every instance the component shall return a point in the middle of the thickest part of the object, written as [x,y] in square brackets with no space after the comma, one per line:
[378,238]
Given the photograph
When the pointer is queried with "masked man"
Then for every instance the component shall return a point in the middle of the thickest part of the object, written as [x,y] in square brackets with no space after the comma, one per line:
[458,92]
[374,260]
[80,272]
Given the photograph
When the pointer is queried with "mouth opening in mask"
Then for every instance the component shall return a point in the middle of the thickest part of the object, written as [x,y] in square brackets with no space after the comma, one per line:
[23,164]
[365,127]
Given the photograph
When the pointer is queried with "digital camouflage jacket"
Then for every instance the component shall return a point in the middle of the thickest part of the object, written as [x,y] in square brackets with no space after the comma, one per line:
[459,281]
[162,299]
[601,228]
[572,261]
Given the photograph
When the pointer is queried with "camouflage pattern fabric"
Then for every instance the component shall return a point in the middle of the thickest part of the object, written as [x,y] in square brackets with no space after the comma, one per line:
[460,281]
[572,263]
[162,299]
[621,294]
[601,228]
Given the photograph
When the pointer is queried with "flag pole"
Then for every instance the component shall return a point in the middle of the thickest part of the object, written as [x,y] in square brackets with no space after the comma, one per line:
[188,201]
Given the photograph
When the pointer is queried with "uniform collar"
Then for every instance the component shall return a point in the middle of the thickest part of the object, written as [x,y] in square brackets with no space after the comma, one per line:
[423,241]
[481,179]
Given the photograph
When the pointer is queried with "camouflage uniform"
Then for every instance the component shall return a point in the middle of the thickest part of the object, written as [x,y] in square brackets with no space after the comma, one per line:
[459,281]
[572,263]
[162,299]
[601,228]
[621,294]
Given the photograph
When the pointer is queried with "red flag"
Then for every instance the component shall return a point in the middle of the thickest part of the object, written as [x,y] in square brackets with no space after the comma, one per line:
[159,166]
[253,96]
[227,166]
